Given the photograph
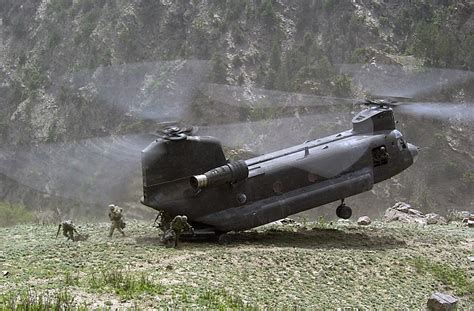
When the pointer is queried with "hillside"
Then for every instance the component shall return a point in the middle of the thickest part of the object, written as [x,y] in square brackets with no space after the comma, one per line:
[75,75]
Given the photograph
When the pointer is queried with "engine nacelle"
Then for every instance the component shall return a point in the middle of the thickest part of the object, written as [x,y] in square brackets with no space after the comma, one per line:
[228,173]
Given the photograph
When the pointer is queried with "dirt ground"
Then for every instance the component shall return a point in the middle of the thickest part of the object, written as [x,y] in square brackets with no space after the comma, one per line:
[318,265]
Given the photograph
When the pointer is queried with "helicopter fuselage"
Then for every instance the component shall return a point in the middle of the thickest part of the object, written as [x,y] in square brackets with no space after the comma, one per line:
[225,196]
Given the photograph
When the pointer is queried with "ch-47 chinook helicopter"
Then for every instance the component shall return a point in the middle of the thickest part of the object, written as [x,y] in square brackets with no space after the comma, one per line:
[189,175]
[182,174]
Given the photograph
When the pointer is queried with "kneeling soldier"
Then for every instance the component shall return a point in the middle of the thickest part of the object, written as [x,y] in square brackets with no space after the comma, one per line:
[178,225]
[68,230]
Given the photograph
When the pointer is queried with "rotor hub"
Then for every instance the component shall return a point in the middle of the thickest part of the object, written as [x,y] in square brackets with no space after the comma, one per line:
[176,133]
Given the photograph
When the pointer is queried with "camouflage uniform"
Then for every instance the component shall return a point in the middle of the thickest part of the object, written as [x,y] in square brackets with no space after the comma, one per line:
[162,221]
[68,229]
[178,225]
[116,217]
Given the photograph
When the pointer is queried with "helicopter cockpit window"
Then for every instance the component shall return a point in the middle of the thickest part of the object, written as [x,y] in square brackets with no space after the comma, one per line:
[380,156]
[401,144]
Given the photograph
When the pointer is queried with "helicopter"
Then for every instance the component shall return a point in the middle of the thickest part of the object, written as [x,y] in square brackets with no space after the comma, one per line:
[190,175]
[174,172]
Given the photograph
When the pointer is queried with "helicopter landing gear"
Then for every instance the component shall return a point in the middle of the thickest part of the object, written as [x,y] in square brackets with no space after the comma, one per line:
[224,239]
[343,211]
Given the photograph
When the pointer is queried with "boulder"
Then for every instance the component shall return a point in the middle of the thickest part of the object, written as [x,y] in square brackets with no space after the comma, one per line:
[454,215]
[364,221]
[392,214]
[441,302]
[435,219]
[463,214]
[470,223]
[414,212]
[402,207]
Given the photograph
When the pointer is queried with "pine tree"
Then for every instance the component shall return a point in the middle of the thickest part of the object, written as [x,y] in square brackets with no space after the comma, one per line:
[219,72]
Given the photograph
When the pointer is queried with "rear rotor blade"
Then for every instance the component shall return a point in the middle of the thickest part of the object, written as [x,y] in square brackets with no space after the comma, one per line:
[91,170]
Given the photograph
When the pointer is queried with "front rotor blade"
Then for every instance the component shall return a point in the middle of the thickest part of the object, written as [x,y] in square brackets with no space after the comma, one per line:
[462,112]
[395,81]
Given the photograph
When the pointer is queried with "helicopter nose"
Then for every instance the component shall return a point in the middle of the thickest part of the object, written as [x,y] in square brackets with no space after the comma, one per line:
[414,151]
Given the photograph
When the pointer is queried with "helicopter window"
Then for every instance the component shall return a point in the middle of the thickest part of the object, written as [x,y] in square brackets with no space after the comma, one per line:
[401,144]
[380,156]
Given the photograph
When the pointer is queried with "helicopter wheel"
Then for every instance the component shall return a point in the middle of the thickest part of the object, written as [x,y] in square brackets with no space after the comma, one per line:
[224,239]
[343,211]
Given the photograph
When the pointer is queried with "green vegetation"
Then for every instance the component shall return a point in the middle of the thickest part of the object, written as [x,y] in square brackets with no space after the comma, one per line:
[321,265]
[221,300]
[218,74]
[59,5]
[36,301]
[12,214]
[432,36]
[453,277]
[124,284]
[33,76]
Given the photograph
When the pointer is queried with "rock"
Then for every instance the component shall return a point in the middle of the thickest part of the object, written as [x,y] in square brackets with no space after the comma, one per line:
[287,221]
[471,217]
[392,214]
[470,223]
[414,212]
[435,219]
[470,258]
[364,221]
[441,302]
[344,221]
[402,207]
[5,273]
[454,215]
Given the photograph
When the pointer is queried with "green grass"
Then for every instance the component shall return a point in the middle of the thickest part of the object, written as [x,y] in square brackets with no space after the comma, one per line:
[13,214]
[319,266]
[452,277]
[124,284]
[221,300]
[39,301]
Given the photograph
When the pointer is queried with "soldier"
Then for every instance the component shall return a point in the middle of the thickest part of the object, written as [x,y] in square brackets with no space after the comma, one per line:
[116,217]
[68,230]
[178,225]
[162,221]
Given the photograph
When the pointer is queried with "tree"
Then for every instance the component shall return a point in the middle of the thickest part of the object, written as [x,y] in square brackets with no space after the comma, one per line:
[219,70]
[268,13]
[275,58]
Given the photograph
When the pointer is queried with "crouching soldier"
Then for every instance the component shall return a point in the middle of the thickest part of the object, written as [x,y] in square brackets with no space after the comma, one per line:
[68,230]
[178,225]
[116,218]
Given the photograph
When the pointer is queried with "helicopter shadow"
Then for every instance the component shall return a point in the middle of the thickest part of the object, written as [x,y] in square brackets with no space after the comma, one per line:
[319,238]
[315,238]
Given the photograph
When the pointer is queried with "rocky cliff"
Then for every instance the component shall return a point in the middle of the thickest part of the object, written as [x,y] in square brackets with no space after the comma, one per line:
[89,73]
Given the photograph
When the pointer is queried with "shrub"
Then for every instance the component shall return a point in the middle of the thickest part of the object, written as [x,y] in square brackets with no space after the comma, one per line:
[12,214]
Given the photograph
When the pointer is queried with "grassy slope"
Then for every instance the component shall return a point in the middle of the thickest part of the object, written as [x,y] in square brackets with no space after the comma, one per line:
[322,266]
